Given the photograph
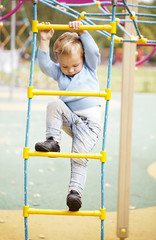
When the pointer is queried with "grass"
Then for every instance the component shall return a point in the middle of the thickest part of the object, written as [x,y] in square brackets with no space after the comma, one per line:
[145,78]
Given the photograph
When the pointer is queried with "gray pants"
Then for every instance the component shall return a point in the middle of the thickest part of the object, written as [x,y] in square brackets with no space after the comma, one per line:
[83,132]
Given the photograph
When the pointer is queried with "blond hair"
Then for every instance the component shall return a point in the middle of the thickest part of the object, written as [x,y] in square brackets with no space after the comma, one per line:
[68,43]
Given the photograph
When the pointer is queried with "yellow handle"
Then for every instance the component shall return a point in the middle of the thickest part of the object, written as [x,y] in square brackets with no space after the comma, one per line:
[41,26]
[66,27]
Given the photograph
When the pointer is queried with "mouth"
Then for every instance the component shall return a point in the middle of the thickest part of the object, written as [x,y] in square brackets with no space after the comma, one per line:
[71,75]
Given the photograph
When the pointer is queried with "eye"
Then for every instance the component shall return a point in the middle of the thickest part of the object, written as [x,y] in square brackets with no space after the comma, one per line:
[76,65]
[64,66]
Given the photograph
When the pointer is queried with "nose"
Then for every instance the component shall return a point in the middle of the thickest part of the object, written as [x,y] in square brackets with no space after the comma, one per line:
[71,70]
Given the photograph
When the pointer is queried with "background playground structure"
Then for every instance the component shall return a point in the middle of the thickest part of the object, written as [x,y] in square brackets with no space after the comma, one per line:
[144,78]
[102,72]
[15,37]
[24,17]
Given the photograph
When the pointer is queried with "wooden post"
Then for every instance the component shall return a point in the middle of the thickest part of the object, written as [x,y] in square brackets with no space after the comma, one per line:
[129,50]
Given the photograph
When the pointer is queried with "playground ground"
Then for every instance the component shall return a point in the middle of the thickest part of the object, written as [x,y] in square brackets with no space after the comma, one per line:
[44,175]
[142,226]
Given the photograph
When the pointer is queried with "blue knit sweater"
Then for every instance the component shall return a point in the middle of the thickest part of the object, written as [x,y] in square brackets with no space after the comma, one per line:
[85,80]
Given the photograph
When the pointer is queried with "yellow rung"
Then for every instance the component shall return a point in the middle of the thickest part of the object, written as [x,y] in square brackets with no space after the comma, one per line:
[27,154]
[27,211]
[40,26]
[30,92]
[103,213]
[104,156]
[70,93]
[106,94]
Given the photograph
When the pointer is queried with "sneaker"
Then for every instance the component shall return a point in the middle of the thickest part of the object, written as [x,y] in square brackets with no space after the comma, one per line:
[50,145]
[74,201]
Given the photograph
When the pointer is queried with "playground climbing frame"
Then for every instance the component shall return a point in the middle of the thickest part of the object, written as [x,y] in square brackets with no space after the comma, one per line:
[108,31]
[101,156]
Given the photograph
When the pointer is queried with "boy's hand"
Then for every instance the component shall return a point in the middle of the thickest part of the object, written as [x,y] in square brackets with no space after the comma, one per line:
[75,25]
[46,35]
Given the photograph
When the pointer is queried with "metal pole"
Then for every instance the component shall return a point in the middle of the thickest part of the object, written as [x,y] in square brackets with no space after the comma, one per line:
[28,123]
[106,118]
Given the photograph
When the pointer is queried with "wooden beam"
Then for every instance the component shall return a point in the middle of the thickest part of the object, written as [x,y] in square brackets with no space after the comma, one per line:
[124,176]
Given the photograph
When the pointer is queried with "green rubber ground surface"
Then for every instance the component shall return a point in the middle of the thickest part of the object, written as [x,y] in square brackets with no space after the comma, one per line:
[48,178]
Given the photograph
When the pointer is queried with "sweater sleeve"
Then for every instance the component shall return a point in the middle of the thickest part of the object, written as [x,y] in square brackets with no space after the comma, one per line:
[46,65]
[92,55]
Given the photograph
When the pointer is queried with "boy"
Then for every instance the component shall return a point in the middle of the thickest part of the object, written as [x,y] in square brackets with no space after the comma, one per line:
[78,57]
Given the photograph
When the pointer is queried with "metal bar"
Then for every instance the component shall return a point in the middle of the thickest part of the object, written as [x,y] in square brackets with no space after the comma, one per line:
[138,21]
[135,25]
[58,9]
[141,6]
[64,155]
[28,124]
[41,26]
[146,58]
[118,15]
[12,11]
[69,93]
[106,119]
[63,212]
[105,10]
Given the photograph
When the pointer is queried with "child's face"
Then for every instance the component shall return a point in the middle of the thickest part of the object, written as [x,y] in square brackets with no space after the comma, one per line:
[71,64]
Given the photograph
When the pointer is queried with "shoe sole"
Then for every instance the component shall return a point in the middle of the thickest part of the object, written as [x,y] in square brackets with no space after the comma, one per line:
[41,148]
[73,203]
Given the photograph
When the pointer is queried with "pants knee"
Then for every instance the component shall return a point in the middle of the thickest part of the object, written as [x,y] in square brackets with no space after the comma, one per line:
[79,162]
[54,105]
